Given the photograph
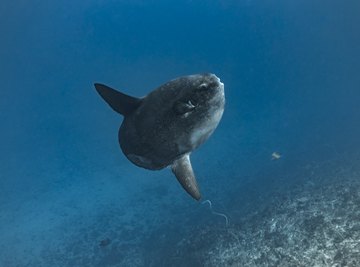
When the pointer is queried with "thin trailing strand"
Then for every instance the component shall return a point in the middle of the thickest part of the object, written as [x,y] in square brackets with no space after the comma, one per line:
[216,213]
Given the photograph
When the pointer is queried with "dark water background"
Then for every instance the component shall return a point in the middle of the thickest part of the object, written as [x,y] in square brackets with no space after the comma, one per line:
[68,197]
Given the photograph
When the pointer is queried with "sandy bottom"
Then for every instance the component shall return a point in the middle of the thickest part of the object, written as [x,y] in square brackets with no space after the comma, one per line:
[102,221]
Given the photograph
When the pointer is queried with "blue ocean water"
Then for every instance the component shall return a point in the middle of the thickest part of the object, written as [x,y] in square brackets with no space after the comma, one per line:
[69,197]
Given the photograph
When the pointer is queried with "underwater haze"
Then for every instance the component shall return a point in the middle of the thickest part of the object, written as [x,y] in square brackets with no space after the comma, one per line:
[282,170]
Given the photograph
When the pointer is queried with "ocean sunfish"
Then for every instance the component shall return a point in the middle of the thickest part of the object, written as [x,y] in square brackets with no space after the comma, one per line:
[164,127]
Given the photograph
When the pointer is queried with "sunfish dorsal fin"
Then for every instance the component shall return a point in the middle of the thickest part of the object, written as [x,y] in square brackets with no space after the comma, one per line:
[184,173]
[121,103]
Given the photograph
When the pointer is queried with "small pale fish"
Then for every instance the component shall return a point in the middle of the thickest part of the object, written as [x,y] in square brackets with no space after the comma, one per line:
[275,156]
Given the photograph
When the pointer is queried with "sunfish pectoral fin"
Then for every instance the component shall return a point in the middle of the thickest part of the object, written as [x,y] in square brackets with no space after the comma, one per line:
[185,175]
[182,107]
[121,103]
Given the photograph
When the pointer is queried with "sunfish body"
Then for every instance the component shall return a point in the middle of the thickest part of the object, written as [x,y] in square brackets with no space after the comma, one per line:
[164,127]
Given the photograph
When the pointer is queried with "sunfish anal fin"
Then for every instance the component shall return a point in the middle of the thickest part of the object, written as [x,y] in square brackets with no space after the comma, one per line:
[120,102]
[184,173]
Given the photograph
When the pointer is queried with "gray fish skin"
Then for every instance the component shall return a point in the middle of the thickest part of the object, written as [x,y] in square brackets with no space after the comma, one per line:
[164,127]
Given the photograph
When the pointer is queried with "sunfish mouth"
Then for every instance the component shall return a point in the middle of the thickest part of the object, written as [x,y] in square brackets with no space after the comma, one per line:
[219,86]
[218,79]
[218,82]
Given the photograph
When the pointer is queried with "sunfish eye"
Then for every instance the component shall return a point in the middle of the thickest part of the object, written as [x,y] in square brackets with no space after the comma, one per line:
[203,86]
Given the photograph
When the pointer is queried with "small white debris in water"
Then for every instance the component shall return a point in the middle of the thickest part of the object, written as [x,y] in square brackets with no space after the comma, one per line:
[275,156]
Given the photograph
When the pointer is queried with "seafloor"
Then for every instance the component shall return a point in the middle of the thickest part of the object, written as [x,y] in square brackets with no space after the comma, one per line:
[306,215]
